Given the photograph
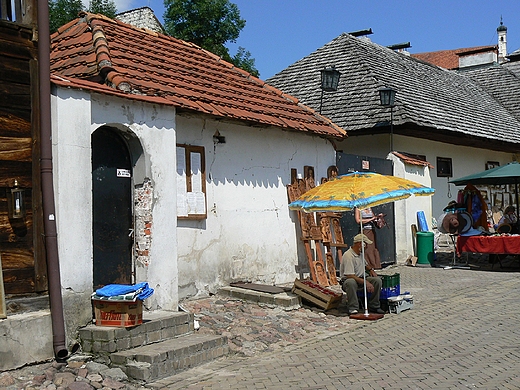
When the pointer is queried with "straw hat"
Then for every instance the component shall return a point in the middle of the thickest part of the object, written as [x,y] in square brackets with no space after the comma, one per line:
[455,223]
[361,237]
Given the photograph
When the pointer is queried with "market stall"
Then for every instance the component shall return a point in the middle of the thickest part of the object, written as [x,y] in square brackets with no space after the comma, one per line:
[497,244]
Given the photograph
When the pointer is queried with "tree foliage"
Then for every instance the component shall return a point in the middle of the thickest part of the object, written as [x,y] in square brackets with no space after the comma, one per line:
[210,24]
[63,11]
[104,7]
[243,60]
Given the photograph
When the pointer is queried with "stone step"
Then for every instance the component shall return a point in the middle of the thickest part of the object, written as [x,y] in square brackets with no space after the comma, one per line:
[157,326]
[285,300]
[159,360]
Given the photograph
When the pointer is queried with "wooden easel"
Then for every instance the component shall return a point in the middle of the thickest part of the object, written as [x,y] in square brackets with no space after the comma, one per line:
[332,239]
[320,232]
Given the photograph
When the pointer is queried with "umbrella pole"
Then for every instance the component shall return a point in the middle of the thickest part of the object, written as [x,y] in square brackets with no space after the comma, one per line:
[365,315]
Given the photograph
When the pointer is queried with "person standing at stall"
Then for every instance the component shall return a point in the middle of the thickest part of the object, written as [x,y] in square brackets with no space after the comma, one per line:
[368,218]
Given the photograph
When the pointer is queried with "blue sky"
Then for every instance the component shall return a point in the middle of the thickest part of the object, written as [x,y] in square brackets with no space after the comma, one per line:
[280,32]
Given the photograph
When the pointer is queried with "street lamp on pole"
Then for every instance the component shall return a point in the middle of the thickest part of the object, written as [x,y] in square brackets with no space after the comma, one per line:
[329,81]
[387,97]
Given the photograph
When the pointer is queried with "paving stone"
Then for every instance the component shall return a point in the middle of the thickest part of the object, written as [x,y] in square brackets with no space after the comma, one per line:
[461,333]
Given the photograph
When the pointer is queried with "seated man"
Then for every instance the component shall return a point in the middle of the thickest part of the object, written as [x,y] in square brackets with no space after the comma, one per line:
[351,271]
[510,220]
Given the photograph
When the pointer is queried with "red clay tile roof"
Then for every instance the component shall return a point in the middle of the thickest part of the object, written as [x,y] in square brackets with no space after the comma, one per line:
[449,59]
[110,57]
[411,160]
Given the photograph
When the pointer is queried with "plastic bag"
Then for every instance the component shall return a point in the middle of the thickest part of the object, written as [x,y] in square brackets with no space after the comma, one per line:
[380,221]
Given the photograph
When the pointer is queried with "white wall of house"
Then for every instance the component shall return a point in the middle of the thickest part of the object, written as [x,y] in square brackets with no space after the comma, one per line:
[249,233]
[75,116]
[404,239]
[71,161]
[466,160]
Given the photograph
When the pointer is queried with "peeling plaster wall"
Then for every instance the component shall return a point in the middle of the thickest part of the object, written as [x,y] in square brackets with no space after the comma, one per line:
[150,132]
[249,233]
[143,198]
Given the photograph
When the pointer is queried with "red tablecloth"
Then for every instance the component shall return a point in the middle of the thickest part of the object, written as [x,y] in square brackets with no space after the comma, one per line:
[489,244]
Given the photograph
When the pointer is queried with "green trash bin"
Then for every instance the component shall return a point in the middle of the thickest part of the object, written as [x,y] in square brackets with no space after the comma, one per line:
[425,247]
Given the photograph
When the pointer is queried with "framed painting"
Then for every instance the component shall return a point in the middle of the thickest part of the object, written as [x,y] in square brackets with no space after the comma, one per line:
[492,164]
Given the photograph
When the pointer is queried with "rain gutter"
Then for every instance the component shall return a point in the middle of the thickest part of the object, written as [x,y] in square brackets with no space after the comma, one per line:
[49,220]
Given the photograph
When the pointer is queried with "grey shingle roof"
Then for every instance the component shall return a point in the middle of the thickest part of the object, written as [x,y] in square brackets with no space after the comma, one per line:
[431,102]
[502,83]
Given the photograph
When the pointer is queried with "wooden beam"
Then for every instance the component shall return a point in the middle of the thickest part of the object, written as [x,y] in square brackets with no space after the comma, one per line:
[3,310]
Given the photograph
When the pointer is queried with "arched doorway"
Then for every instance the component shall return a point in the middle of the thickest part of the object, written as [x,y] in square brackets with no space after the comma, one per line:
[111,208]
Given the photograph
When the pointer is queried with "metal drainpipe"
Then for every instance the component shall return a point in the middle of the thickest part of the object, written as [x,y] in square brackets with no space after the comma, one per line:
[49,220]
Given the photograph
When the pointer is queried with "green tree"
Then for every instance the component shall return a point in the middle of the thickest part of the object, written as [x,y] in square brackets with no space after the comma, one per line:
[209,24]
[104,7]
[63,11]
[243,60]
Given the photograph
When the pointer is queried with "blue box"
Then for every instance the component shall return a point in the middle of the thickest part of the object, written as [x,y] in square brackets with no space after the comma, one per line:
[387,292]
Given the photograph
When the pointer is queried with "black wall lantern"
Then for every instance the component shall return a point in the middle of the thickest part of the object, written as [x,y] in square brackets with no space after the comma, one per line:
[329,81]
[16,202]
[387,97]
[218,139]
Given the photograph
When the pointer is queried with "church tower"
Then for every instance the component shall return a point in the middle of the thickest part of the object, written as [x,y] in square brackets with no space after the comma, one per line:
[502,42]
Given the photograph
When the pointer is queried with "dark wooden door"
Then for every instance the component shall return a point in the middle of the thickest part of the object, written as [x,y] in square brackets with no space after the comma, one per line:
[112,208]
[385,237]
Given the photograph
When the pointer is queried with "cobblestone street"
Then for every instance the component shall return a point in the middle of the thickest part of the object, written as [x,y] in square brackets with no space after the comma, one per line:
[461,333]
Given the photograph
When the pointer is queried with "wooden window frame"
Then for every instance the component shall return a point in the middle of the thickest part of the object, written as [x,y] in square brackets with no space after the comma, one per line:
[443,162]
[189,184]
[492,164]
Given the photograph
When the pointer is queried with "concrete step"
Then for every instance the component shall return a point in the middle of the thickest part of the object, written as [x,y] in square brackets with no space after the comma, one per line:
[157,326]
[165,343]
[285,300]
[159,360]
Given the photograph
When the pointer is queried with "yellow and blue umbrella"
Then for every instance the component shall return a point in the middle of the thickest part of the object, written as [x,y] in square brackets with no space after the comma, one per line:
[361,190]
[358,189]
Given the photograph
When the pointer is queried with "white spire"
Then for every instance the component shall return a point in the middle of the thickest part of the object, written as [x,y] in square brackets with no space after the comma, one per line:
[502,42]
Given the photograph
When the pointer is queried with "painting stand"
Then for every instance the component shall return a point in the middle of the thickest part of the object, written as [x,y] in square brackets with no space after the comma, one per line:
[321,265]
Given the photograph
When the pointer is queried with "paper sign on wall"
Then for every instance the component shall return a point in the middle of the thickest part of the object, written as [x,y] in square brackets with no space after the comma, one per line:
[123,173]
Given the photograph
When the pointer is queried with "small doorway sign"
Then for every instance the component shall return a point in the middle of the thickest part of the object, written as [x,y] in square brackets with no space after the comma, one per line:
[123,173]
